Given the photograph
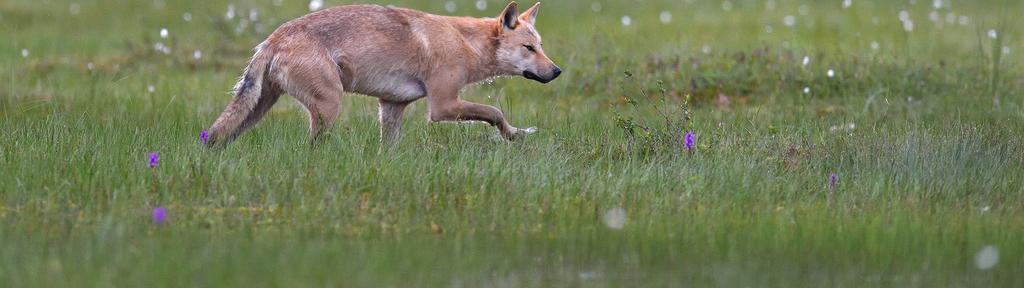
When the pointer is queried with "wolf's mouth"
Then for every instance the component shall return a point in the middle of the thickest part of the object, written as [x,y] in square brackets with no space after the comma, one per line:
[535,77]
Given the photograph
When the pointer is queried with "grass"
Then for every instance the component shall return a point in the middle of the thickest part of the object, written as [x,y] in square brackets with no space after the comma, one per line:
[930,170]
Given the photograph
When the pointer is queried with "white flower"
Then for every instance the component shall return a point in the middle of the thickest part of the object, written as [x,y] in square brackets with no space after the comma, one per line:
[160,47]
[908,26]
[987,257]
[615,218]
[789,20]
[230,14]
[315,5]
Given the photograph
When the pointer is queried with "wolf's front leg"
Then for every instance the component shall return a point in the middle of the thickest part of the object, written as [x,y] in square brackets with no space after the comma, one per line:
[459,110]
[467,111]
[391,121]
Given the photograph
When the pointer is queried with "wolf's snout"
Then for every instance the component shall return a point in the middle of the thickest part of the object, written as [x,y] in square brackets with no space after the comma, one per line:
[554,74]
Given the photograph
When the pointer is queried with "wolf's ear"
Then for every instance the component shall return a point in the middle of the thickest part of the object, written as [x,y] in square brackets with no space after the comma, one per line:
[508,16]
[530,15]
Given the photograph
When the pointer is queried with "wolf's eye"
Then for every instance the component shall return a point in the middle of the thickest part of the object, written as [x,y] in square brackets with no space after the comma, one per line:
[530,48]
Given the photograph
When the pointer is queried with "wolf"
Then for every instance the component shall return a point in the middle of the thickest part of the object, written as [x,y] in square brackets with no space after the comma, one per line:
[394,54]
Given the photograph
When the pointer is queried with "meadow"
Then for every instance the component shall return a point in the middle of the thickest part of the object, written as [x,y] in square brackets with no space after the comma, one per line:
[836,144]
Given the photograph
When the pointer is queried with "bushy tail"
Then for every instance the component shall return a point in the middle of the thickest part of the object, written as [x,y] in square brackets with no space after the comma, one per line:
[238,115]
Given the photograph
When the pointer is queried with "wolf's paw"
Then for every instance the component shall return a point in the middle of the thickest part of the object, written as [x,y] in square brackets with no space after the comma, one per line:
[520,133]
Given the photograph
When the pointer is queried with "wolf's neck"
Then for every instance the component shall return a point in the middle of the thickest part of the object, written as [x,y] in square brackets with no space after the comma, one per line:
[481,36]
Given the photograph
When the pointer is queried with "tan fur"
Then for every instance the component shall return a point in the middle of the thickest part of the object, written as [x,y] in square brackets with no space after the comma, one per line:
[396,55]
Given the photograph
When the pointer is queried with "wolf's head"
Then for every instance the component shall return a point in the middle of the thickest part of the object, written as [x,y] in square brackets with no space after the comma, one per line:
[520,49]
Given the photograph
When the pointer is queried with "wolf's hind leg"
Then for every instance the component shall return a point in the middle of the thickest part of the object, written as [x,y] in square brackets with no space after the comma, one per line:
[323,111]
[313,79]
[326,113]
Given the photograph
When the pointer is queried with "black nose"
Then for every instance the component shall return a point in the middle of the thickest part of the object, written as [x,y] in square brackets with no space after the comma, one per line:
[558,71]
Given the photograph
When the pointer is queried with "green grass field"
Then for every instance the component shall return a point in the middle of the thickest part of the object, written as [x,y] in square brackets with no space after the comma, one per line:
[922,124]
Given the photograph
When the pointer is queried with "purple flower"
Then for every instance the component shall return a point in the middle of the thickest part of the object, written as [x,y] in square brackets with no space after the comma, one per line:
[833,179]
[159,215]
[690,140]
[204,137]
[154,159]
